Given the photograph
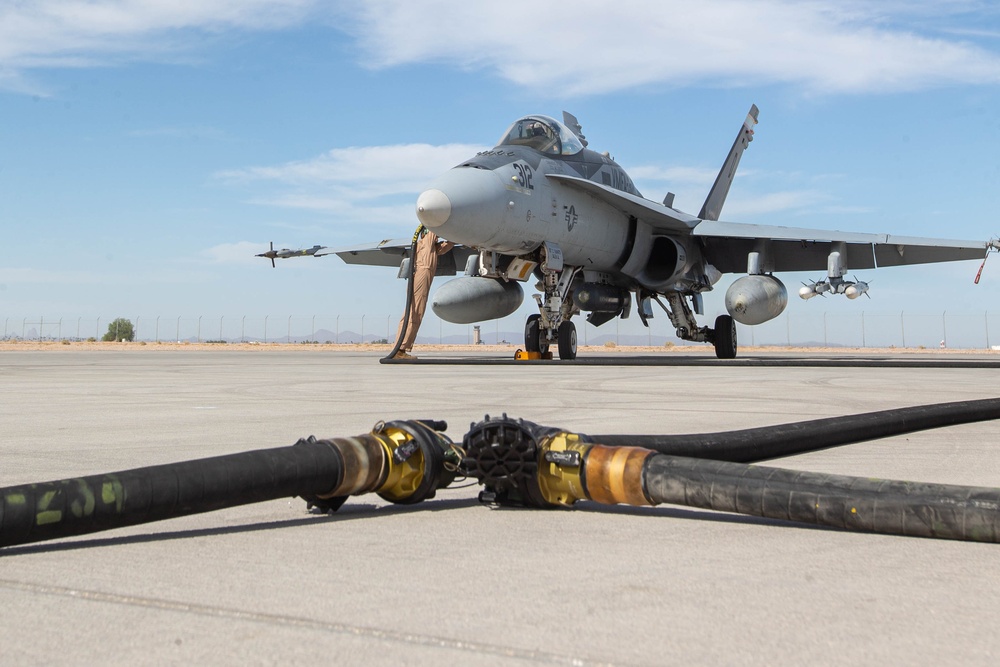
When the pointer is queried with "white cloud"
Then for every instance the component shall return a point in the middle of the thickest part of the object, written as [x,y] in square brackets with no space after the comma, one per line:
[348,182]
[70,33]
[16,275]
[672,175]
[242,252]
[560,47]
[773,202]
[593,46]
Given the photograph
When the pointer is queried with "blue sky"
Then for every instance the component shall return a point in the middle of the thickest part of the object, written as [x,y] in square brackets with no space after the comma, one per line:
[149,149]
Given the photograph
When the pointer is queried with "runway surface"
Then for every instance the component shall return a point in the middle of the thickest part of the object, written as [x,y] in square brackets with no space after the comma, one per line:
[453,582]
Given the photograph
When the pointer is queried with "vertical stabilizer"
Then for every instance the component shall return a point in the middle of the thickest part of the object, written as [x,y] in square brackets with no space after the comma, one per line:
[717,196]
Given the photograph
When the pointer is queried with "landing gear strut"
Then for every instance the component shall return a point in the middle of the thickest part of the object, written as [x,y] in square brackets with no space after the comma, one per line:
[723,336]
[552,325]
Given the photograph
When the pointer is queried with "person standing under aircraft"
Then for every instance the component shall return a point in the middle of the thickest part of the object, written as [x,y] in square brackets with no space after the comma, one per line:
[429,248]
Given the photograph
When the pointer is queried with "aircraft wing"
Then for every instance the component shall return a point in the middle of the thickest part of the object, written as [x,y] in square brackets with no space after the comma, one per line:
[392,252]
[660,218]
[795,249]
[389,252]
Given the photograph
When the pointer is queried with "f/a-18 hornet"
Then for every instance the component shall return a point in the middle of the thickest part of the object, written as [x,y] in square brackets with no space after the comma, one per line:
[542,207]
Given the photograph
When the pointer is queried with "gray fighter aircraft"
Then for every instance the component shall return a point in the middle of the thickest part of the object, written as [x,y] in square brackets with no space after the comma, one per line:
[542,206]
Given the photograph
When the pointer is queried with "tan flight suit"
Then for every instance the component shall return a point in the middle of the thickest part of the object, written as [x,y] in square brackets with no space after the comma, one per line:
[428,251]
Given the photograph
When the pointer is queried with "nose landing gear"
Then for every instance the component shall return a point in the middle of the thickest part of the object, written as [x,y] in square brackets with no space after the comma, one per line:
[536,339]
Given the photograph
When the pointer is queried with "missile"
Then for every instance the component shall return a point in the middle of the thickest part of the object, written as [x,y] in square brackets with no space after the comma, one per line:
[815,289]
[855,290]
[470,299]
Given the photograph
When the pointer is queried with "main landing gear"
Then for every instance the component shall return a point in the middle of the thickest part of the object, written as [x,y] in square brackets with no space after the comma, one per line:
[723,336]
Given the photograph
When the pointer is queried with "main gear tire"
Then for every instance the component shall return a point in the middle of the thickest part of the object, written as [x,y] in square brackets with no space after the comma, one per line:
[724,337]
[567,340]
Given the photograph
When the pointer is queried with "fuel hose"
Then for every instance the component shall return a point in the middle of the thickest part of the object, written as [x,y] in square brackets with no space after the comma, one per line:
[402,461]
[522,463]
[769,442]
[409,297]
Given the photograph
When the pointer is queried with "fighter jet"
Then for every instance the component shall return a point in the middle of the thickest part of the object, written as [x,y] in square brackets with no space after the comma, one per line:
[540,206]
[285,253]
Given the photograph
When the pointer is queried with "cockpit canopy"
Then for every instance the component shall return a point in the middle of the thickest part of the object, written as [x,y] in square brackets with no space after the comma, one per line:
[544,134]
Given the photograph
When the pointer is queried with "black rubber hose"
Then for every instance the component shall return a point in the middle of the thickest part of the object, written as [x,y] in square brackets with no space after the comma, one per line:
[50,510]
[768,442]
[409,299]
[854,503]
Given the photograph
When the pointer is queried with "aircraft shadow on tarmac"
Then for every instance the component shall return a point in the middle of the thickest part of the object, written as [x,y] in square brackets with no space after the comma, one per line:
[660,360]
[372,512]
[348,512]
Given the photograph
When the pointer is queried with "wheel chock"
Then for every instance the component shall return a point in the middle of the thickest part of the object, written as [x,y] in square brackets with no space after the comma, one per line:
[521,355]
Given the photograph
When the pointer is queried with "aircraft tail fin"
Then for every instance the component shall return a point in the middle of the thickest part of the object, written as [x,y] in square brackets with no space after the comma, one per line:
[717,195]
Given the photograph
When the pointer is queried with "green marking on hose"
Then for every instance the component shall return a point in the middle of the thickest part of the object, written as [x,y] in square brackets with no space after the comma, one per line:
[50,516]
[16,499]
[112,492]
[44,515]
[87,507]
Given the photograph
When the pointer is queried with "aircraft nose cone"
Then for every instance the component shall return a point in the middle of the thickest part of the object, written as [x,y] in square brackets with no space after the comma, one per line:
[433,208]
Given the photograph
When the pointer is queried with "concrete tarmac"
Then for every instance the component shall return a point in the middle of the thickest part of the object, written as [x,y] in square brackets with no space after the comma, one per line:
[451,581]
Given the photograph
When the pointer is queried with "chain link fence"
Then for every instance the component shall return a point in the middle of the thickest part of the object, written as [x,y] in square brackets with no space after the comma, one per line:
[813,329]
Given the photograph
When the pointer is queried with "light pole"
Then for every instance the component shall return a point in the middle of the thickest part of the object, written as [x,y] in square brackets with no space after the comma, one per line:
[157,328]
[265,328]
[199,328]
[336,334]
[863,328]
[362,329]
